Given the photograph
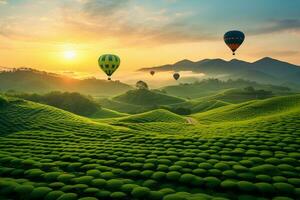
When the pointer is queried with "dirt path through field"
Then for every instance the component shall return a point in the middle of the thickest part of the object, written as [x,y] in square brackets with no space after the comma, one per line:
[191,120]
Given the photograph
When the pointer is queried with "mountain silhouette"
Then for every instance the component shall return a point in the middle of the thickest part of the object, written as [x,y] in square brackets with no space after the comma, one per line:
[265,70]
[34,81]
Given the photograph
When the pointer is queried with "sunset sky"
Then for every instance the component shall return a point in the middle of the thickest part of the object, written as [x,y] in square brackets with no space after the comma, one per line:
[70,35]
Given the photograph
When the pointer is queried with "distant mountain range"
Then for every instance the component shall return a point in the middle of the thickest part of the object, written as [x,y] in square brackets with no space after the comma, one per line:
[265,70]
[34,81]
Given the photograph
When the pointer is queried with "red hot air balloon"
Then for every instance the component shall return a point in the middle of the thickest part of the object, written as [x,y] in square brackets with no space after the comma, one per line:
[234,39]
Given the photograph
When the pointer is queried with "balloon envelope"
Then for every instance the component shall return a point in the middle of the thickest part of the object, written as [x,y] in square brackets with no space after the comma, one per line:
[152,72]
[234,39]
[176,76]
[109,63]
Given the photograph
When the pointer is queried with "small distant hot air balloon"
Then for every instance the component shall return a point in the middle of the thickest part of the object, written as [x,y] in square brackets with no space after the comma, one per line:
[234,39]
[176,76]
[109,63]
[152,72]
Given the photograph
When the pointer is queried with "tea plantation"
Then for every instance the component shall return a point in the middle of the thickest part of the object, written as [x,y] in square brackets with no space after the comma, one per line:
[47,153]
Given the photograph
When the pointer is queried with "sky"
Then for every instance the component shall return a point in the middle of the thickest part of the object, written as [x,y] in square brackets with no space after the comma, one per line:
[69,35]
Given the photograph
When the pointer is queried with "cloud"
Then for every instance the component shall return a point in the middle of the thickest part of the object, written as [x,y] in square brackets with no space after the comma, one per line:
[104,7]
[3,2]
[132,24]
[277,53]
[292,25]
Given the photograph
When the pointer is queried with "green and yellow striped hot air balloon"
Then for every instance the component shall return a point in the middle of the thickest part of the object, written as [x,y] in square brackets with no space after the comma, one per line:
[109,63]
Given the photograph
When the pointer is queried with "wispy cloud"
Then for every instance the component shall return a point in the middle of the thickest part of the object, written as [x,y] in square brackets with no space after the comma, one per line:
[277,53]
[133,24]
[277,26]
[3,2]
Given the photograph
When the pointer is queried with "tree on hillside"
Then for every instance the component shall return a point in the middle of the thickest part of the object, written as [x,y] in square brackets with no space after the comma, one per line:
[141,85]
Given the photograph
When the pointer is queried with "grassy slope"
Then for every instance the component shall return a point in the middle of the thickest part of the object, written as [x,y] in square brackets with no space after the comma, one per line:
[21,115]
[159,115]
[223,98]
[253,109]
[106,113]
[138,101]
[60,142]
[234,96]
[147,98]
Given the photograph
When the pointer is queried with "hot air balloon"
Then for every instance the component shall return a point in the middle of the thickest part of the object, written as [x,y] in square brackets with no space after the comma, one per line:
[109,63]
[234,39]
[176,76]
[152,72]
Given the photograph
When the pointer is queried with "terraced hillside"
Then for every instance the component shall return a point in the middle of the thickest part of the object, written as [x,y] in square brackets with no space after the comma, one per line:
[77,158]
[107,113]
[21,115]
[159,115]
[138,101]
[253,110]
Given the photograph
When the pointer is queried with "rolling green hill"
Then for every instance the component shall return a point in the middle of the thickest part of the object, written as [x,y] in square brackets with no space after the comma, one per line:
[33,81]
[253,110]
[21,115]
[138,101]
[210,87]
[223,98]
[102,113]
[48,153]
[145,97]
[159,115]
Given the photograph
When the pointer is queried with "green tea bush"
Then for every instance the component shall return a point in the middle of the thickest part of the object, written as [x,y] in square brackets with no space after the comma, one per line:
[229,184]
[68,196]
[147,173]
[246,186]
[7,187]
[39,192]
[114,184]
[158,175]
[23,190]
[53,195]
[284,188]
[118,195]
[140,192]
[103,194]
[65,178]
[150,183]
[294,181]
[127,188]
[187,178]
[282,198]
[265,188]
[91,191]
[94,173]
[83,179]
[264,178]
[156,195]
[51,176]
[107,175]
[56,185]
[173,176]
[34,173]
[175,196]
[265,169]
[212,182]
[100,183]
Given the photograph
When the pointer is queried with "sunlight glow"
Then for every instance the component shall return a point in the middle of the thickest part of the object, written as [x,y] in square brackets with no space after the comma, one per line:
[70,55]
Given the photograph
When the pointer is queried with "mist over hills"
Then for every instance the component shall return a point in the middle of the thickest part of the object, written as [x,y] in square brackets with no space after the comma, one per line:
[265,70]
[34,81]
